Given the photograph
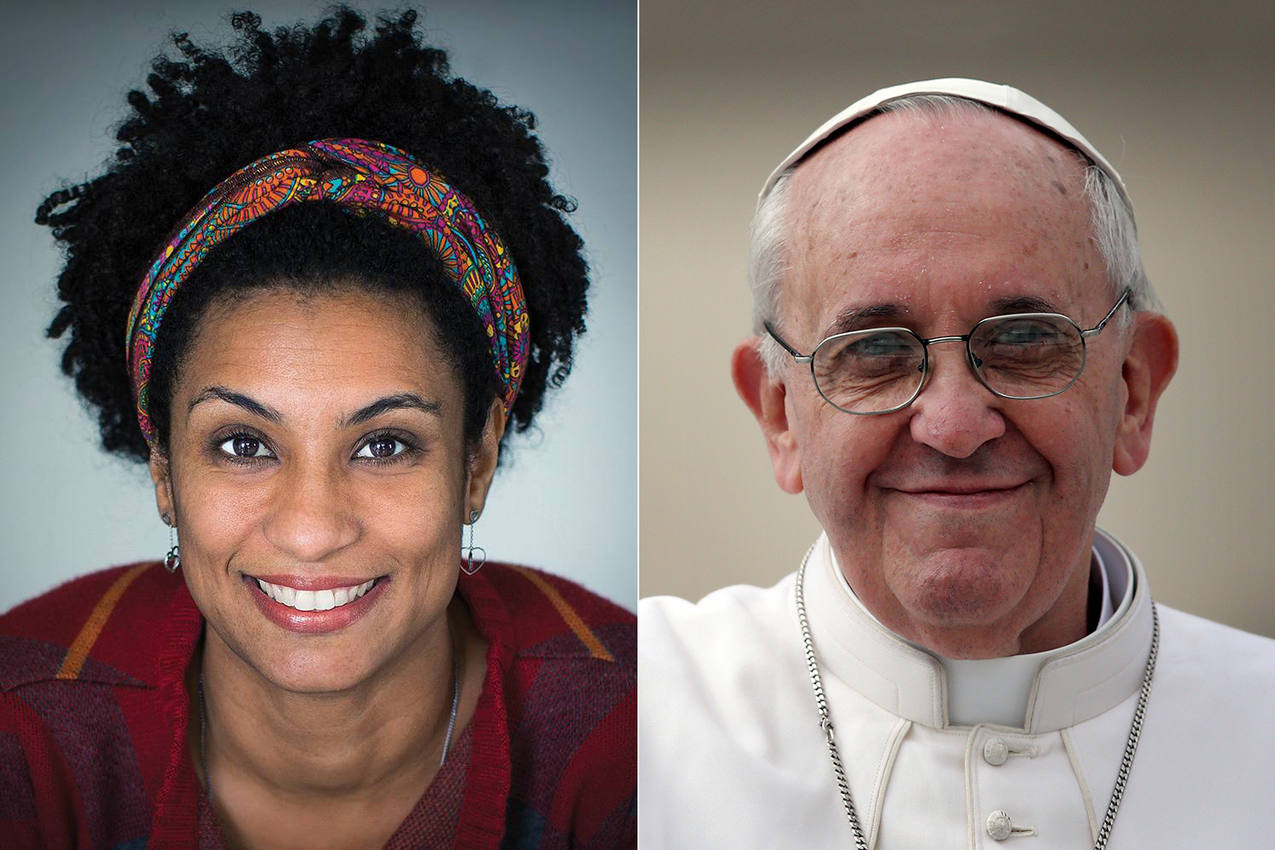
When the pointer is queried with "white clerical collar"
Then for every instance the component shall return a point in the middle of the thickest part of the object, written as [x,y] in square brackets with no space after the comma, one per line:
[1039,692]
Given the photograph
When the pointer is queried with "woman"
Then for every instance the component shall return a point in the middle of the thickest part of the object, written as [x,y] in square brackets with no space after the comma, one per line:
[317,286]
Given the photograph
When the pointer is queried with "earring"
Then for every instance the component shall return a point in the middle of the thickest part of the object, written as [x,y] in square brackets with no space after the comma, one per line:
[472,562]
[173,560]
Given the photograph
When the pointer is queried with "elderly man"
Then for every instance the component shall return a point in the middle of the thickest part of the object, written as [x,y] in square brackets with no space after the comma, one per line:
[956,346]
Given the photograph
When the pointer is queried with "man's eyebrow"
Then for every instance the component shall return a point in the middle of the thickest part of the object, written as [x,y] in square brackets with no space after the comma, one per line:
[238,400]
[852,318]
[1023,304]
[398,401]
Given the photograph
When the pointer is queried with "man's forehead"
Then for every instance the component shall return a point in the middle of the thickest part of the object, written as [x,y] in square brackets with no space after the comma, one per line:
[892,161]
[900,175]
[911,209]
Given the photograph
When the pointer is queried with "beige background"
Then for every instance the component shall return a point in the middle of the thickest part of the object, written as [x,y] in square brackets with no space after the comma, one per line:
[1177,95]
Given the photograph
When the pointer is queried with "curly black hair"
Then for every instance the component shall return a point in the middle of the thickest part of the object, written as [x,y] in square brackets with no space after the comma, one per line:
[210,112]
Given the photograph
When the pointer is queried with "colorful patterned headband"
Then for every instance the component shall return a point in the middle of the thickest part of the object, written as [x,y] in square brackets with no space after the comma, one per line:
[361,176]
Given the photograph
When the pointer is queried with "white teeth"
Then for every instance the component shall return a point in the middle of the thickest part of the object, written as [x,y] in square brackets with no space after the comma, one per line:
[314,600]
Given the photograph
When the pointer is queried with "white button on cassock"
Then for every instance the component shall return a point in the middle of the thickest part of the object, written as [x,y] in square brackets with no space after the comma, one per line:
[999,825]
[996,752]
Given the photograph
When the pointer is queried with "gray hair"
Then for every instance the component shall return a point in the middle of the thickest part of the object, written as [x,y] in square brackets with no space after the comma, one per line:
[1114,233]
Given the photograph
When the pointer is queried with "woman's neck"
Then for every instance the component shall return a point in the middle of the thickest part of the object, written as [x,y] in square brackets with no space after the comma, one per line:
[271,752]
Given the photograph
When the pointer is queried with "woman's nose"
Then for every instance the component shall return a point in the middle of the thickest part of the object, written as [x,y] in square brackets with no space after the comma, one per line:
[312,515]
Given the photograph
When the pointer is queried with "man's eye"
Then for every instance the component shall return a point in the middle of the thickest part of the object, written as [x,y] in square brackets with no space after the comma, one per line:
[880,345]
[382,448]
[244,446]
[1026,333]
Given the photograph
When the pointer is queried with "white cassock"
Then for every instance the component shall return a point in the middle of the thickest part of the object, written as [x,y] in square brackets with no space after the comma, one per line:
[731,755]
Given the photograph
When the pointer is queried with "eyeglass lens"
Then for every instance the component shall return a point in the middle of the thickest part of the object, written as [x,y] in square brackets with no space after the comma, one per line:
[1022,356]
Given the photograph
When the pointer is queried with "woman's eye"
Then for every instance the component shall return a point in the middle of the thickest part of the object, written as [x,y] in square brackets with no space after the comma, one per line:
[381,448]
[245,446]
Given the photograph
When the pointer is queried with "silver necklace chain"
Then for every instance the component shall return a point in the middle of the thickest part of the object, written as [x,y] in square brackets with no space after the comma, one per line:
[447,739]
[843,785]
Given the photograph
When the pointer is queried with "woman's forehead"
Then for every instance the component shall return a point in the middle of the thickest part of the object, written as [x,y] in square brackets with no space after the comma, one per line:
[328,348]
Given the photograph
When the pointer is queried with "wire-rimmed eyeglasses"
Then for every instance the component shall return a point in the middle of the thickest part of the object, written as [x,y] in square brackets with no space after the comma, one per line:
[1016,356]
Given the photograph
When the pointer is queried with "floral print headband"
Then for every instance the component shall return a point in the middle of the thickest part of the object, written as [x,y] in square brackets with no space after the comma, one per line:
[363,177]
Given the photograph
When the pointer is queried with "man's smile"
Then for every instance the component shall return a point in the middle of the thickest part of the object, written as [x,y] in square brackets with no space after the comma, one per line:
[963,495]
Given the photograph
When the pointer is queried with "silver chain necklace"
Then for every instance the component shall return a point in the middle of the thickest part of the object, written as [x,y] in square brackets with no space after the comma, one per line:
[203,721]
[825,722]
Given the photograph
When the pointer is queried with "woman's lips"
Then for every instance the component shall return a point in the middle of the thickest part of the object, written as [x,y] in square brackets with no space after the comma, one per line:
[314,604]
[314,600]
[313,582]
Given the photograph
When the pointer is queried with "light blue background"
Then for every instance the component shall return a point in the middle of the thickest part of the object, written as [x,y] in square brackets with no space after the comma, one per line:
[565,498]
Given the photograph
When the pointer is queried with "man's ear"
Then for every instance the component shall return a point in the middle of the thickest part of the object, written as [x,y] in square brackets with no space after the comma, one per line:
[161,476]
[482,464]
[766,396]
[1150,363]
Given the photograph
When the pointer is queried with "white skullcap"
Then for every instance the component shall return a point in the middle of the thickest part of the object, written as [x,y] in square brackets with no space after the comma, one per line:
[1004,98]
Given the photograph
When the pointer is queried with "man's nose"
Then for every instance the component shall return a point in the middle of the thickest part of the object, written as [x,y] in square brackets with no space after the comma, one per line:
[311,515]
[954,414]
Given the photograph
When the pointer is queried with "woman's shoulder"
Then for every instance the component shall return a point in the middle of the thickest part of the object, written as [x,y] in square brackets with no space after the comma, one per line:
[570,690]
[90,704]
[541,615]
[102,627]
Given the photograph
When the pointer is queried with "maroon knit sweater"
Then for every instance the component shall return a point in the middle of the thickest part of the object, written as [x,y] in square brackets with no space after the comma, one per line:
[93,713]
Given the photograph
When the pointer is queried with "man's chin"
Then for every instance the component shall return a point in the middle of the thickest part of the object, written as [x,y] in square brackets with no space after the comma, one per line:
[963,565]
[960,590]
[965,585]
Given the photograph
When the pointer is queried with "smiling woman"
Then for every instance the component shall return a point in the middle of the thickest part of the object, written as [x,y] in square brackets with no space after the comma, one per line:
[319,284]
[369,478]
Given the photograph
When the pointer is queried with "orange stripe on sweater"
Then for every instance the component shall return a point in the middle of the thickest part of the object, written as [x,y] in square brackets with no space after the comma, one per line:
[92,628]
[568,614]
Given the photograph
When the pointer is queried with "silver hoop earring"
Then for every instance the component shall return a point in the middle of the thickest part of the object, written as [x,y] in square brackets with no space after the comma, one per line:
[472,557]
[173,560]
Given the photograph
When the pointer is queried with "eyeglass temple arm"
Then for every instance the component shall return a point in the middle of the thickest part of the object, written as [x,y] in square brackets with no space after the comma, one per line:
[1097,329]
[800,358]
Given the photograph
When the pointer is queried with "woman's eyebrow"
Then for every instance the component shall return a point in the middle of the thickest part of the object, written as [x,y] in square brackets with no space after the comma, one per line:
[238,400]
[398,401]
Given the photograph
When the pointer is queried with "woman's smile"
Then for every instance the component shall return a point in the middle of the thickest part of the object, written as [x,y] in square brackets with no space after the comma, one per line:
[310,605]
[312,594]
